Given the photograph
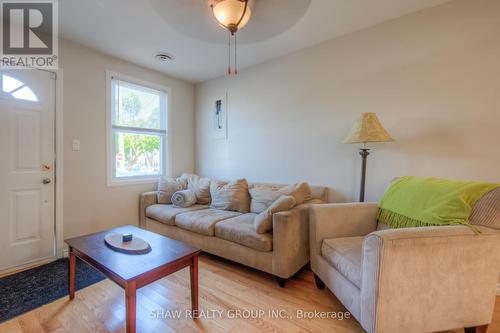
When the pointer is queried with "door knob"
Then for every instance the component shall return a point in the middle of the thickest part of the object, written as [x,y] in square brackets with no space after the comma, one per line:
[46,181]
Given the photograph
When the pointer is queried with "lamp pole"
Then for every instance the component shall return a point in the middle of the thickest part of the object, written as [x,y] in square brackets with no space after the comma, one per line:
[364,152]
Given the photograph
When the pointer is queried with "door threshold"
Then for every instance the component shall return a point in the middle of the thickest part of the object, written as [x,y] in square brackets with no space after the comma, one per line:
[32,264]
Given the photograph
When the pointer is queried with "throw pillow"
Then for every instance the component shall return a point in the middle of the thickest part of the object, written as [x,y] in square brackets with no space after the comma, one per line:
[201,188]
[486,211]
[230,195]
[264,221]
[167,187]
[302,193]
[189,176]
[264,195]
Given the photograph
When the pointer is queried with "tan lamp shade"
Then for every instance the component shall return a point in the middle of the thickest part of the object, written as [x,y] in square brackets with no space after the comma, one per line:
[368,128]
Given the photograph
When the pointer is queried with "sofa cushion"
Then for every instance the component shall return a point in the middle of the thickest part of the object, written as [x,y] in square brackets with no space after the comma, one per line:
[203,221]
[344,254]
[241,230]
[230,195]
[168,186]
[263,195]
[167,213]
[264,221]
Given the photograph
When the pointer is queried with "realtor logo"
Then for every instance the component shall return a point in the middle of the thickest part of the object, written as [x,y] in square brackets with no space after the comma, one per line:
[29,34]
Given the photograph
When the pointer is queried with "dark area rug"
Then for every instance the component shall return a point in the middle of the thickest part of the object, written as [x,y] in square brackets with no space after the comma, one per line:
[27,290]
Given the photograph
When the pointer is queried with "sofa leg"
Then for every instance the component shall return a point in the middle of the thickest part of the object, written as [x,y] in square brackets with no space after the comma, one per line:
[477,329]
[281,281]
[319,283]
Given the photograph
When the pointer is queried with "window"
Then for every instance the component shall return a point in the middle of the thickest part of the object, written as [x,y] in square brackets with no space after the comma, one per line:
[138,131]
[17,89]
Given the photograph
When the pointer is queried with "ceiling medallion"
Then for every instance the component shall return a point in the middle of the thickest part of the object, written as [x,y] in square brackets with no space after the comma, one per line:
[232,15]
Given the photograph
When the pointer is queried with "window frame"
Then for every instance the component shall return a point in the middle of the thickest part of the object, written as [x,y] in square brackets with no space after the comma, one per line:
[166,142]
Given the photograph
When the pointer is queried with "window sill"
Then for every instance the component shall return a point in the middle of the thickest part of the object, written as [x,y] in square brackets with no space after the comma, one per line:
[131,182]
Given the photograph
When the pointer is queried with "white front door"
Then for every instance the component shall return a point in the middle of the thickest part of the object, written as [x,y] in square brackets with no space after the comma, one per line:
[27,167]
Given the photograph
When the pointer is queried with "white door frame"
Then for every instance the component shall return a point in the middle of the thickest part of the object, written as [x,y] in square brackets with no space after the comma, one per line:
[59,235]
[59,147]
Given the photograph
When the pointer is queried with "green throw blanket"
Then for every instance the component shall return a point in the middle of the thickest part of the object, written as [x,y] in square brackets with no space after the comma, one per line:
[421,202]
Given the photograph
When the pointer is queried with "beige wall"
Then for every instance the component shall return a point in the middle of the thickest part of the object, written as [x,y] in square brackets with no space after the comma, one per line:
[433,78]
[89,205]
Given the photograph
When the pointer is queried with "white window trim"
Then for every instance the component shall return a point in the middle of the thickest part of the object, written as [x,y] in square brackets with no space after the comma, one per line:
[167,155]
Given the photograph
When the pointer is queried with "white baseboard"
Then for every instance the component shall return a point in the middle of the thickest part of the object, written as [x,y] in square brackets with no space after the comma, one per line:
[65,252]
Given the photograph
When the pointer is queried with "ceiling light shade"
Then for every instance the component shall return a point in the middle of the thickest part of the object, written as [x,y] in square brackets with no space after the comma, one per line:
[232,14]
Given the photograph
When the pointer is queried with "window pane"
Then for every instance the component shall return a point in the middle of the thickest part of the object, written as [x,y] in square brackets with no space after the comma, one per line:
[25,93]
[137,155]
[9,84]
[137,107]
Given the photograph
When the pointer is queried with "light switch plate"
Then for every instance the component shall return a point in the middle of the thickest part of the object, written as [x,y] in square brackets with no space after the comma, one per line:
[76,145]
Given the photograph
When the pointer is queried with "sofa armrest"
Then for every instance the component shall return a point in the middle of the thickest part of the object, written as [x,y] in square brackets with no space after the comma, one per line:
[339,220]
[446,275]
[147,199]
[290,240]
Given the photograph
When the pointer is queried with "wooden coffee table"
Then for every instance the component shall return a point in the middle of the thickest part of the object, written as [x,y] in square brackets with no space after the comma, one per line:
[132,272]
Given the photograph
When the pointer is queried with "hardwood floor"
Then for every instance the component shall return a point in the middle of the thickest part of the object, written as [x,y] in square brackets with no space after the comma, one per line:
[224,286]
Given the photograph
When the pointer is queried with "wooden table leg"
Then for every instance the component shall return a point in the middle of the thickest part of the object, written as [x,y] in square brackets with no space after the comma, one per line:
[71,275]
[193,268]
[130,305]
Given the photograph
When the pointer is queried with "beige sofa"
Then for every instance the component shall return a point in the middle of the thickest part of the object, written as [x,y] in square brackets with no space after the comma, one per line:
[408,280]
[281,252]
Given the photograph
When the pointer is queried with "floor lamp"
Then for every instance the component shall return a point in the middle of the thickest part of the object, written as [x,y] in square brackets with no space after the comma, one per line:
[367,128]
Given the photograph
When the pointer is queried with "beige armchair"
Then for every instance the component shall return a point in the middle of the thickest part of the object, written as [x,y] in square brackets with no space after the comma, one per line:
[405,280]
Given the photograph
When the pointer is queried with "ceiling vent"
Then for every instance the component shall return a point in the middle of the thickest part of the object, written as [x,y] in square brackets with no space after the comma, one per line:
[164,57]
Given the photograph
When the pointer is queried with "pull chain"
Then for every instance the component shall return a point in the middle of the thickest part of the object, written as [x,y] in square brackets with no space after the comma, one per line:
[235,57]
[229,55]
[229,69]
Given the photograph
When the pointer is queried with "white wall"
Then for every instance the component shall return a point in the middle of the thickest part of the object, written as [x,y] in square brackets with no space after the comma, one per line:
[89,205]
[433,78]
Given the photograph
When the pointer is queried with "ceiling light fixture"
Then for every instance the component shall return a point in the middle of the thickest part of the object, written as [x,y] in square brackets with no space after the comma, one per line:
[232,15]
